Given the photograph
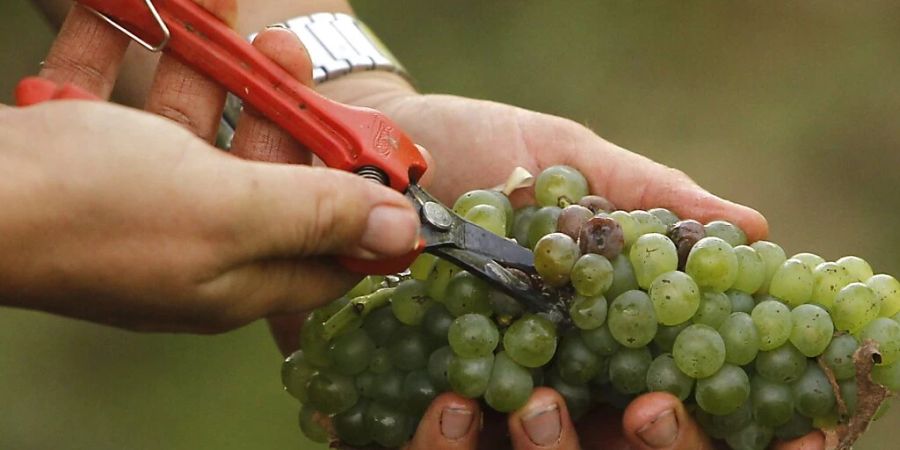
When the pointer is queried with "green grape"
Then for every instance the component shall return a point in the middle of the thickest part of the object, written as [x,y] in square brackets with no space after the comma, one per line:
[602,376]
[784,364]
[792,282]
[811,329]
[560,186]
[664,375]
[469,377]
[311,425]
[724,391]
[436,323]
[440,279]
[592,275]
[797,426]
[811,260]
[631,319]
[352,352]
[577,397]
[365,384]
[630,228]
[773,321]
[648,223]
[314,344]
[740,301]
[489,218]
[380,325]
[675,297]
[530,341]
[751,437]
[623,277]
[410,302]
[886,333]
[576,362]
[714,308]
[813,395]
[600,340]
[699,351]
[505,308]
[588,312]
[665,336]
[839,356]
[712,264]
[467,294]
[389,387]
[466,202]
[332,393]
[888,376]
[367,286]
[668,218]
[740,337]
[719,427]
[295,375]
[473,335]
[418,391]
[773,403]
[751,270]
[521,223]
[726,232]
[554,256]
[408,349]
[651,256]
[350,425]
[381,361]
[854,306]
[510,385]
[887,289]
[438,366]
[773,257]
[423,266]
[386,425]
[628,370]
[829,278]
[543,222]
[328,310]
[859,269]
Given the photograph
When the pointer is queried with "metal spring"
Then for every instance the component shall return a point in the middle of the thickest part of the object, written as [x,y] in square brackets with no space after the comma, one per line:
[373,174]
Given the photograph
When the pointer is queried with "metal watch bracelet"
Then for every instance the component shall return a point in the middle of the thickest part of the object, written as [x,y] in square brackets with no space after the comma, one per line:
[337,44]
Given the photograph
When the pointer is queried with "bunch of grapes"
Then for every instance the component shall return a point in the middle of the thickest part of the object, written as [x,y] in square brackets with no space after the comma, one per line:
[758,345]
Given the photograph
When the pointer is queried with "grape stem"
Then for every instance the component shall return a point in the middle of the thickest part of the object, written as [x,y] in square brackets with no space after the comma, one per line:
[870,396]
[358,308]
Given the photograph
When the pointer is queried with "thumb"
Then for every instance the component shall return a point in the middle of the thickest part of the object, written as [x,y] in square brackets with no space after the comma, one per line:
[659,421]
[289,211]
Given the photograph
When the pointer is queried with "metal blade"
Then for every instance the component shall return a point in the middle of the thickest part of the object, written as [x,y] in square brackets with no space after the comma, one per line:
[504,251]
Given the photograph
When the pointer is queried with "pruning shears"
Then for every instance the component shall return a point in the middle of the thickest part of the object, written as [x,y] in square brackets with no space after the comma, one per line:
[358,140]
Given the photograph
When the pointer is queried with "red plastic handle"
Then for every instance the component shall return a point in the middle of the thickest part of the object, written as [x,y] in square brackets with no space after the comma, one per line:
[343,137]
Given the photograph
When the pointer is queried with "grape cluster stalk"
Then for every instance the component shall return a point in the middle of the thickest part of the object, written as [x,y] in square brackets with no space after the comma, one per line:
[757,344]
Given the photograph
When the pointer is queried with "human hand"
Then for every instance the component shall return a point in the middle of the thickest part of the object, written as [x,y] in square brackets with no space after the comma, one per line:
[493,139]
[128,219]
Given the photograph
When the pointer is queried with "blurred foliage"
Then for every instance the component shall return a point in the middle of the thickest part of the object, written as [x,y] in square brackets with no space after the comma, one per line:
[790,107]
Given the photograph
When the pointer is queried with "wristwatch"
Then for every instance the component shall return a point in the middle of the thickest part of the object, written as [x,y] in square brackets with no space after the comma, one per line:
[337,44]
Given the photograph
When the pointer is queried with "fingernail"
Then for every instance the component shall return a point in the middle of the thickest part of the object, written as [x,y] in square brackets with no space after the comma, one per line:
[455,422]
[542,424]
[661,432]
[391,231]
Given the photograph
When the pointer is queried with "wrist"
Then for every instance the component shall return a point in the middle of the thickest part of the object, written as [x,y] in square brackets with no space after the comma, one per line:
[372,89]
[254,15]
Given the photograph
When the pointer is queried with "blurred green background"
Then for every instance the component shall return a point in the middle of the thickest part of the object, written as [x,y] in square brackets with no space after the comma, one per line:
[790,107]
